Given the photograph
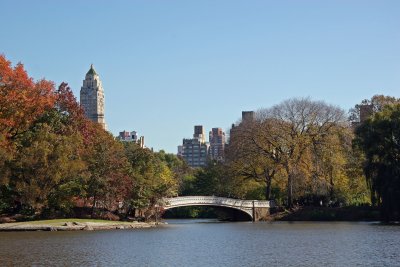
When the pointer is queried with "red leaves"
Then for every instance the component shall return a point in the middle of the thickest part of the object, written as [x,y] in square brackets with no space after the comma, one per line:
[66,101]
[22,101]
[47,144]
[5,70]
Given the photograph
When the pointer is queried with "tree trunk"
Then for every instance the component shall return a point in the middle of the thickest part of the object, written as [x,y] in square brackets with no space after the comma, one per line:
[268,182]
[290,191]
[332,185]
[268,191]
[93,206]
[289,187]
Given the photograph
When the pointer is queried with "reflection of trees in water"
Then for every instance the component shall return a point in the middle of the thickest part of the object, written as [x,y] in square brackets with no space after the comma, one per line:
[221,213]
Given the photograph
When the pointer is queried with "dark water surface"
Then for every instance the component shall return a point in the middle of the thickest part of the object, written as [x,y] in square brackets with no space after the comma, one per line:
[209,243]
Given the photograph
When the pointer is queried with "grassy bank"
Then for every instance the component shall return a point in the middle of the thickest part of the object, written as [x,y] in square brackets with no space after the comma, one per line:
[72,224]
[60,222]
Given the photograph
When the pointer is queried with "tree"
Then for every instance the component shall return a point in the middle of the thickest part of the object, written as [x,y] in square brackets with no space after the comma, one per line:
[289,132]
[375,104]
[247,159]
[379,139]
[22,101]
[305,143]
[108,177]
[296,126]
[153,178]
[38,148]
[45,160]
[181,171]
[336,173]
[51,155]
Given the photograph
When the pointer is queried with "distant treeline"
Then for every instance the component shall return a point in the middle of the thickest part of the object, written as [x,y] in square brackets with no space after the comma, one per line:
[299,152]
[308,153]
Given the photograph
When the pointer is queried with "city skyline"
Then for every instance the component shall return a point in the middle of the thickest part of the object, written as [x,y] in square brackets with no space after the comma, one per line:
[168,66]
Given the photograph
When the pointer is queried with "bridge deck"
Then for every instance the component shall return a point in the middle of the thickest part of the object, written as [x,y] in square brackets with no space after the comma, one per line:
[247,206]
[214,200]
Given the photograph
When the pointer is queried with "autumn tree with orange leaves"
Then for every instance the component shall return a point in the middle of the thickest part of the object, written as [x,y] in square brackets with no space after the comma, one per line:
[22,101]
[51,155]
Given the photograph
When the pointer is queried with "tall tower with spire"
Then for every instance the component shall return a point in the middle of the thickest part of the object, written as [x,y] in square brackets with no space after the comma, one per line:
[92,97]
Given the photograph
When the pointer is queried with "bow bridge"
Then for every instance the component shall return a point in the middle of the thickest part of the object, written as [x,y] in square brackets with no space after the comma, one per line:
[256,209]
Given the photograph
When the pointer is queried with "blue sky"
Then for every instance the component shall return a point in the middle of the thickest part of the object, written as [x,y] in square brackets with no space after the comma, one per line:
[168,65]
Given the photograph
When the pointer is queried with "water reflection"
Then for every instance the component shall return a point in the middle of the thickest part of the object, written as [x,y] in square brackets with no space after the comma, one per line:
[210,243]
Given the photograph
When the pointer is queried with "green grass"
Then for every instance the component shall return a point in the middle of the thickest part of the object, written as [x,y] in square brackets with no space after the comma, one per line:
[60,222]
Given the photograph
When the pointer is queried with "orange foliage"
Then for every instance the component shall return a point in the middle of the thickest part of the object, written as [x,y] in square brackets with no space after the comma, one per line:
[66,102]
[22,101]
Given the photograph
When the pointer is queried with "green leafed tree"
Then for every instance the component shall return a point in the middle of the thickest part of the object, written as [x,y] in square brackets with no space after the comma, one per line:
[379,139]
[45,161]
[108,179]
[153,179]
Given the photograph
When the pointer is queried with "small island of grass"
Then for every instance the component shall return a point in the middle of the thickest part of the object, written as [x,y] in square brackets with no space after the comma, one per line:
[73,224]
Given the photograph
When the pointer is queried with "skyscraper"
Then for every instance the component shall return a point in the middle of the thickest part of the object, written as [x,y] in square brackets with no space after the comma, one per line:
[217,144]
[248,117]
[126,136]
[199,133]
[92,97]
[195,151]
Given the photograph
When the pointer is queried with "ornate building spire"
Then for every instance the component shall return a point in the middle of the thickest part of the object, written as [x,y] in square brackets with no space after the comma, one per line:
[92,97]
[91,71]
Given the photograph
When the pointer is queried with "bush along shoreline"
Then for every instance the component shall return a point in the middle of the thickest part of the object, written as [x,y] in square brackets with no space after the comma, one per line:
[327,214]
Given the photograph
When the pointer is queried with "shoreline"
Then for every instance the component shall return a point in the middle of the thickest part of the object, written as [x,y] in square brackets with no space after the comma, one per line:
[308,213]
[73,225]
[318,214]
[328,214]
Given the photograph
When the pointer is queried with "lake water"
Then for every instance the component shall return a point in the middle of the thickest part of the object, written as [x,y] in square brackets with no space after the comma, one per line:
[209,243]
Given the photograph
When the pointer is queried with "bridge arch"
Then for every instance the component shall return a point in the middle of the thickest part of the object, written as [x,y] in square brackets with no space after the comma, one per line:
[251,207]
[231,213]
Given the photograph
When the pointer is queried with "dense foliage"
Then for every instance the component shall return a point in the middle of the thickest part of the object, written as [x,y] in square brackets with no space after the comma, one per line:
[52,159]
[306,152]
[379,139]
[297,152]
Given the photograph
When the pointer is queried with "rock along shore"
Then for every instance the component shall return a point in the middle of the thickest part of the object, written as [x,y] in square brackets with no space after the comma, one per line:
[73,226]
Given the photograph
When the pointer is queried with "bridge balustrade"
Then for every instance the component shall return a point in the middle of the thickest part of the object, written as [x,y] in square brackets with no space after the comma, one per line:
[186,200]
[247,206]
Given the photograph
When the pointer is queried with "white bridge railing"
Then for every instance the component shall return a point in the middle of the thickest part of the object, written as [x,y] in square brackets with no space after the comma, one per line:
[215,201]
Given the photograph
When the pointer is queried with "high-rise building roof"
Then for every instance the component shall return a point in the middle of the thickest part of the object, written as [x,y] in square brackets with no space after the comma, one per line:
[91,71]
[92,97]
